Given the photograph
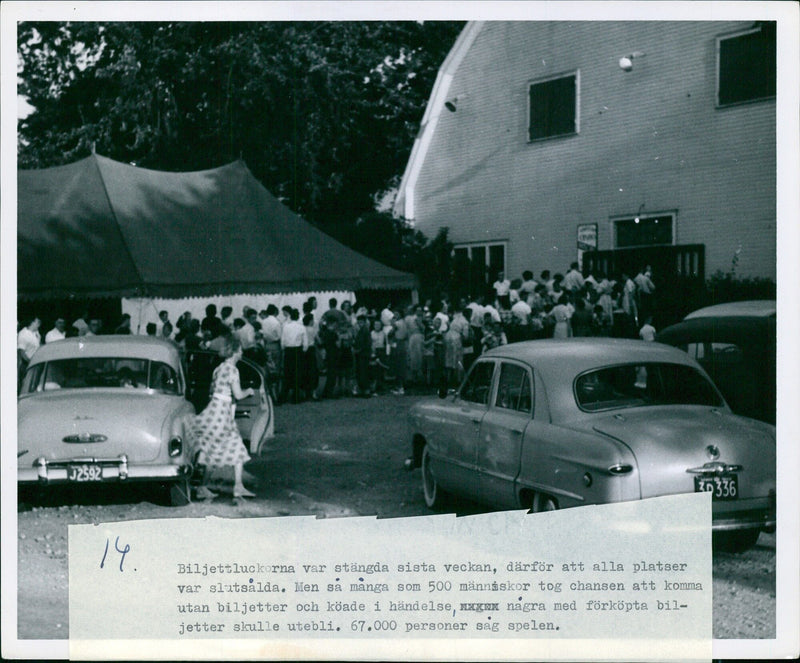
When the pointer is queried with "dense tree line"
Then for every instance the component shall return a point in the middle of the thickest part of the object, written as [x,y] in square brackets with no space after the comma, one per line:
[323,113]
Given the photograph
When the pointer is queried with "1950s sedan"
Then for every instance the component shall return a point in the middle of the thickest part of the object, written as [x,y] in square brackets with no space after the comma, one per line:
[552,424]
[118,409]
[105,409]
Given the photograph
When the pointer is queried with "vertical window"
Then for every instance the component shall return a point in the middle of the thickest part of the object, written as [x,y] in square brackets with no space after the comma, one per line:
[553,107]
[478,384]
[746,65]
[514,389]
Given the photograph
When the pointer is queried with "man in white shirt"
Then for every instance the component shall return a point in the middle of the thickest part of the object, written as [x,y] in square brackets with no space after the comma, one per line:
[58,332]
[502,286]
[645,288]
[573,279]
[28,342]
[270,325]
[295,342]
[528,285]
[521,311]
[491,310]
[29,339]
[387,316]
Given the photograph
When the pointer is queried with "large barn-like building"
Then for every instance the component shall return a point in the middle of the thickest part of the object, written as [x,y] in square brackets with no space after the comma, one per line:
[612,143]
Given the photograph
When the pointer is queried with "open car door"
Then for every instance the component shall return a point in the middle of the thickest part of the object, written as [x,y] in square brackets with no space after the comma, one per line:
[254,414]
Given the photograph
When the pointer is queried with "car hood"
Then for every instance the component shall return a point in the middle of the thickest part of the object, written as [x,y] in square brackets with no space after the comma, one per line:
[132,422]
[668,441]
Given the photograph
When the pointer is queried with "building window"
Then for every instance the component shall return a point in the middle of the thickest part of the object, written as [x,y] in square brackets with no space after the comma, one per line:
[746,65]
[475,266]
[553,107]
[643,230]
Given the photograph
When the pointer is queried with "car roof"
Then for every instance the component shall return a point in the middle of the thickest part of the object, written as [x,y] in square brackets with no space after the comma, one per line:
[757,308]
[560,361]
[575,355]
[132,346]
[751,331]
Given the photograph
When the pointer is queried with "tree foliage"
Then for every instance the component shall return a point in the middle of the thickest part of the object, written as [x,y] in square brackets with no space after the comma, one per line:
[323,113]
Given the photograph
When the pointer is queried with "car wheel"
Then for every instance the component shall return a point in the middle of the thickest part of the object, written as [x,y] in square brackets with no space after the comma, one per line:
[435,497]
[542,502]
[179,492]
[737,541]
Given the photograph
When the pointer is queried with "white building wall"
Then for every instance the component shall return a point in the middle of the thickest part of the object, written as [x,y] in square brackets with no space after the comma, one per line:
[652,136]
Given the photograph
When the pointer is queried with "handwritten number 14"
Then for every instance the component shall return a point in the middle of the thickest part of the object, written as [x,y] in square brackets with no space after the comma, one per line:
[122,551]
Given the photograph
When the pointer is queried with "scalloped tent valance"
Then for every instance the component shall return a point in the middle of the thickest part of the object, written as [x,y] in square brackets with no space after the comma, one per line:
[100,228]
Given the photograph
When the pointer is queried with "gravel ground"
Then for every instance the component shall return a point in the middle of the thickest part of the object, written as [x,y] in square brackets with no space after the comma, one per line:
[329,458]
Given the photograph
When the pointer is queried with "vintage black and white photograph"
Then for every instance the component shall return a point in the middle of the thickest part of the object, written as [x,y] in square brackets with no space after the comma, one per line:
[394,268]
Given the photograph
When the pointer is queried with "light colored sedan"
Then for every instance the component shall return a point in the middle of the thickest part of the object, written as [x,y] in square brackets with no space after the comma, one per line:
[105,409]
[552,424]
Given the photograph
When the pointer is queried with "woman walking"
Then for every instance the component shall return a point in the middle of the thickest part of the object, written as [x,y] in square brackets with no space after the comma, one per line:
[216,438]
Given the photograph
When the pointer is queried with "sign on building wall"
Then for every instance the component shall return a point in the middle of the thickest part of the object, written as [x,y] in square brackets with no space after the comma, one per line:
[587,240]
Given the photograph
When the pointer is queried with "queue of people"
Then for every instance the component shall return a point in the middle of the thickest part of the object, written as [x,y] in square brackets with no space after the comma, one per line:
[353,351]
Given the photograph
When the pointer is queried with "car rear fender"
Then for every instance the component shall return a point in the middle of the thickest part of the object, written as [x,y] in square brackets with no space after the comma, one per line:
[576,467]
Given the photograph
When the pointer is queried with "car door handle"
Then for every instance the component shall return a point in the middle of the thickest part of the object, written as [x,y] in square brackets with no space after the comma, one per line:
[516,431]
[242,414]
[476,421]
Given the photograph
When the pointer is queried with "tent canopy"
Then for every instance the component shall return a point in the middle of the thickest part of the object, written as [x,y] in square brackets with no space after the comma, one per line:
[100,228]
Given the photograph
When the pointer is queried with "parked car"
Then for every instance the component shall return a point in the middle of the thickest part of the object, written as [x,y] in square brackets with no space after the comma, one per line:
[552,424]
[105,409]
[736,344]
[114,409]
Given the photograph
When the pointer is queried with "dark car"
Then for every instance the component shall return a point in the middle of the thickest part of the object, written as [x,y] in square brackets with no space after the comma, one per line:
[735,343]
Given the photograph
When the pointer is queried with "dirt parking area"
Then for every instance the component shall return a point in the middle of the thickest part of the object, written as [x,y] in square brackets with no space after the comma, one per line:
[330,459]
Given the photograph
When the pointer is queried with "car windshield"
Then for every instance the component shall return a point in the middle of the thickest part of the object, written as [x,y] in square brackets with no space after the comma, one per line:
[637,385]
[94,372]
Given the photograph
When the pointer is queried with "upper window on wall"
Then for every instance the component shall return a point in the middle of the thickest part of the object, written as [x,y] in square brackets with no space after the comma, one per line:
[643,231]
[553,107]
[746,65]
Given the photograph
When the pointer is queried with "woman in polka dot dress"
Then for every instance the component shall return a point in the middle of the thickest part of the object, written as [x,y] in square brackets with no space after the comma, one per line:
[216,436]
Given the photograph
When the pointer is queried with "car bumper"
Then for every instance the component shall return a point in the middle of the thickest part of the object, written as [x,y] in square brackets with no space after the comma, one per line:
[750,514]
[114,470]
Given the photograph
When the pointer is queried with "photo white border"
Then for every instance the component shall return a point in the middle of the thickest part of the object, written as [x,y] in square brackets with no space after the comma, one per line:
[786,14]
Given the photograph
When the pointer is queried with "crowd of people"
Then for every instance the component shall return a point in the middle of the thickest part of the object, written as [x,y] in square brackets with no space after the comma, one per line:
[363,352]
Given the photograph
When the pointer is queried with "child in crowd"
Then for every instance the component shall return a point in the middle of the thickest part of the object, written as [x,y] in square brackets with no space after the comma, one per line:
[648,332]
[377,362]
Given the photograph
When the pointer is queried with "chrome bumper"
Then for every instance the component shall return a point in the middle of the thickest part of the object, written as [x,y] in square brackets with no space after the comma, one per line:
[118,469]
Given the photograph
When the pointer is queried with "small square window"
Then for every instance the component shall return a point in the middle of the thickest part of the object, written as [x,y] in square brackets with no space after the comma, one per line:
[553,107]
[746,65]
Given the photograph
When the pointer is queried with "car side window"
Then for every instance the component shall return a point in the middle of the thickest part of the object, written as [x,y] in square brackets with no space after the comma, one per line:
[514,389]
[163,378]
[478,384]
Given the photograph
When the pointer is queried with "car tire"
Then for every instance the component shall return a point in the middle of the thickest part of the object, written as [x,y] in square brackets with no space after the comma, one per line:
[736,541]
[542,502]
[435,497]
[179,492]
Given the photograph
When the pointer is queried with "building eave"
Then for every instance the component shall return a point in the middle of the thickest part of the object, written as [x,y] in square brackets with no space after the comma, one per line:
[404,205]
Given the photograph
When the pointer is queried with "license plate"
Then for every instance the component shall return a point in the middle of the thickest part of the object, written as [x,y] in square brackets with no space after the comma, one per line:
[725,487]
[84,473]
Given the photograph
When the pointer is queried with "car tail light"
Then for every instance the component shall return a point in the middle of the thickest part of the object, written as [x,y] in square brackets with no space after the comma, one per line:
[620,468]
[175,446]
